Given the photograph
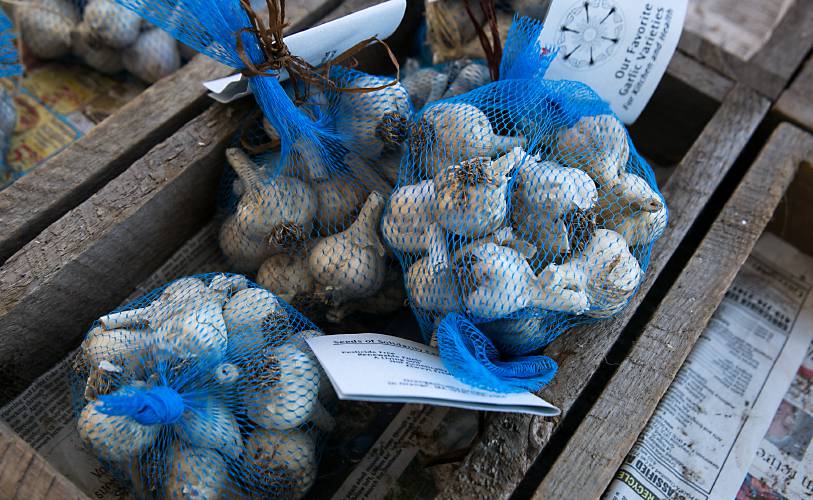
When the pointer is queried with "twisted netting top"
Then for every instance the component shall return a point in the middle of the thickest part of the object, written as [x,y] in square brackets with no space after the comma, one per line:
[206,388]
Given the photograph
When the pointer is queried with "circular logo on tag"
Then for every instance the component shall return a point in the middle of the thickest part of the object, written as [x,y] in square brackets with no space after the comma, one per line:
[590,33]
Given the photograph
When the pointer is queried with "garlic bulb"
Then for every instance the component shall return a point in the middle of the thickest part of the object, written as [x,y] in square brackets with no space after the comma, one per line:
[210,424]
[196,472]
[174,296]
[425,85]
[227,285]
[287,276]
[339,198]
[471,199]
[431,289]
[606,271]
[350,264]
[472,76]
[294,399]
[501,283]
[455,131]
[409,224]
[245,315]
[46,25]
[99,57]
[388,300]
[286,457]
[596,144]
[545,194]
[111,24]
[153,56]
[195,329]
[114,437]
[275,215]
[630,207]
[359,117]
[121,347]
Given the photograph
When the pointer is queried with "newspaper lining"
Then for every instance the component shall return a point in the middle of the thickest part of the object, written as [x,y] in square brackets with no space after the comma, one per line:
[708,426]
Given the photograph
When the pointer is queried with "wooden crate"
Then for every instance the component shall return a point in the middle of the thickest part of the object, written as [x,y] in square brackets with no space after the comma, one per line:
[796,102]
[47,192]
[777,193]
[758,43]
[97,254]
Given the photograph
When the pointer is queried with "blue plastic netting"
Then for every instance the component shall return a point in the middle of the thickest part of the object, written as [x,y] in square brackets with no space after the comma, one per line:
[204,388]
[102,34]
[523,207]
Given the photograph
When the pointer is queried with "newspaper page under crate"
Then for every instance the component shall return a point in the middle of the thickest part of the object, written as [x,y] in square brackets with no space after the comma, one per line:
[708,426]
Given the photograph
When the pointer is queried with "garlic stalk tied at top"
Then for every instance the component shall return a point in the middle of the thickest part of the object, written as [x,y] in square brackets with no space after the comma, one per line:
[632,208]
[545,192]
[471,199]
[498,281]
[409,223]
[293,399]
[450,132]
[196,472]
[359,117]
[282,457]
[46,26]
[271,216]
[350,264]
[209,423]
[117,438]
[597,145]
[605,270]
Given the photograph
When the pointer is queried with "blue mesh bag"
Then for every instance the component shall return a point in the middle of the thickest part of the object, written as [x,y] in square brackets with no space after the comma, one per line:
[304,218]
[204,388]
[102,34]
[523,207]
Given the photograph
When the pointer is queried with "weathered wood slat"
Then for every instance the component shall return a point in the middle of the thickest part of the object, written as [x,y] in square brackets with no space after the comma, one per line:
[87,262]
[609,430]
[34,201]
[770,69]
[25,475]
[796,102]
[511,443]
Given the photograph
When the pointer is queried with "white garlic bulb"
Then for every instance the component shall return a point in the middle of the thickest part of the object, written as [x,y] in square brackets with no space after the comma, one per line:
[287,276]
[195,329]
[425,85]
[409,223]
[502,283]
[99,57]
[210,424]
[351,264]
[294,399]
[114,437]
[471,199]
[121,347]
[46,25]
[472,76]
[196,473]
[153,56]
[245,315]
[632,208]
[111,24]
[606,271]
[596,144]
[430,288]
[287,457]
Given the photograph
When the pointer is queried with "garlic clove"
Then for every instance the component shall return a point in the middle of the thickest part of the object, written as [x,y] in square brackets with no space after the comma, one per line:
[351,264]
[196,472]
[209,424]
[286,276]
[597,145]
[113,437]
[471,198]
[282,457]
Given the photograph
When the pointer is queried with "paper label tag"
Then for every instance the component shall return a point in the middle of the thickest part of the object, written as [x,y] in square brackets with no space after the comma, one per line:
[620,48]
[375,367]
[322,43]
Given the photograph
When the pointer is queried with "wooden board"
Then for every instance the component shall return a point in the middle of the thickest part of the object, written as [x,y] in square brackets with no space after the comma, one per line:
[770,69]
[609,430]
[511,443]
[88,261]
[34,201]
[25,475]
[796,102]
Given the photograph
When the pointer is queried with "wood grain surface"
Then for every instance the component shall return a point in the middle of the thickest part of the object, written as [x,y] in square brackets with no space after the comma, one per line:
[796,102]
